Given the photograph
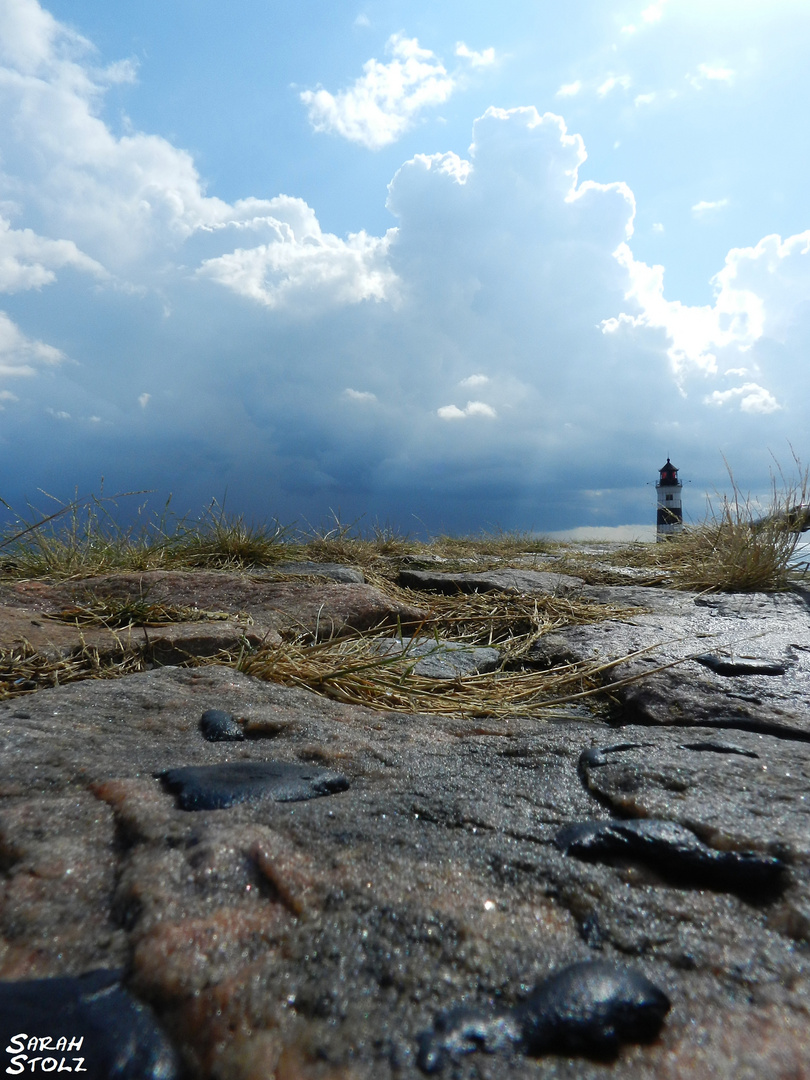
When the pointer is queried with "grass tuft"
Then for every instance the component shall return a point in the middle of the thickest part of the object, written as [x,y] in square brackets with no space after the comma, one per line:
[226,542]
[743,546]
[23,669]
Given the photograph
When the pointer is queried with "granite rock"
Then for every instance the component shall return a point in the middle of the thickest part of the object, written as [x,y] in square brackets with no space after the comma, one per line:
[439,659]
[666,678]
[346,575]
[233,610]
[523,582]
[320,938]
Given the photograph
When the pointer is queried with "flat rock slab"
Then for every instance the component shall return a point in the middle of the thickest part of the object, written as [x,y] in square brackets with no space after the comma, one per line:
[321,938]
[346,575]
[168,644]
[739,660]
[523,582]
[257,611]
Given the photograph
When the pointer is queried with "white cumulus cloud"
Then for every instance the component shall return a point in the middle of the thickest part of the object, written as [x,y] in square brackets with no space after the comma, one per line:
[752,398]
[472,408]
[28,261]
[359,395]
[611,82]
[21,355]
[484,58]
[307,271]
[569,89]
[654,12]
[708,206]
[384,102]
[710,73]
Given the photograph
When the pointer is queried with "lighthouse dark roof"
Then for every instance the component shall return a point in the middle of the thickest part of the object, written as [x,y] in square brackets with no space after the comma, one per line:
[669,474]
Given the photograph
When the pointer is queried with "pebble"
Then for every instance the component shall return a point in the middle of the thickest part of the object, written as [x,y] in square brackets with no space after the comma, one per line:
[217,725]
[672,849]
[215,787]
[588,1008]
[119,1036]
[591,1008]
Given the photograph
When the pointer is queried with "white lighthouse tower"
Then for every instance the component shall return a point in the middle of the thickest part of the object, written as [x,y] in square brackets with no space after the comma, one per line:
[670,512]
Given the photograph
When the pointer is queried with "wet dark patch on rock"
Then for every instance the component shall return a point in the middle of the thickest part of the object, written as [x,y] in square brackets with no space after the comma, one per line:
[674,851]
[727,665]
[116,1035]
[591,932]
[713,746]
[457,1032]
[589,1008]
[595,756]
[215,787]
[217,725]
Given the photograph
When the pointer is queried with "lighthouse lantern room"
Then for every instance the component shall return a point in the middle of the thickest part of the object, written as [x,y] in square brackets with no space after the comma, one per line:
[670,512]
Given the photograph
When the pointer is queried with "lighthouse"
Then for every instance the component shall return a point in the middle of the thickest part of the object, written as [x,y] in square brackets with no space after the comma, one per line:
[670,513]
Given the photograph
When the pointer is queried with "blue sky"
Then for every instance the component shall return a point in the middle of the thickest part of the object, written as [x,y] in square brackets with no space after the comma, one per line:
[441,268]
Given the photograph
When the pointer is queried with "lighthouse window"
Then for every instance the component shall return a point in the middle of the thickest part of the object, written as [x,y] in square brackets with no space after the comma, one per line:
[669,498]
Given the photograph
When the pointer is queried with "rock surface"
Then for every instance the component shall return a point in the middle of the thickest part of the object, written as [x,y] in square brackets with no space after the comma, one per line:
[439,659]
[528,582]
[319,939]
[748,638]
[231,609]
[478,898]
[347,575]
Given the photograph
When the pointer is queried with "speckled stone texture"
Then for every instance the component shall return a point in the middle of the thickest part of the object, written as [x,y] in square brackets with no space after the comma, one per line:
[318,939]
[258,608]
[748,636]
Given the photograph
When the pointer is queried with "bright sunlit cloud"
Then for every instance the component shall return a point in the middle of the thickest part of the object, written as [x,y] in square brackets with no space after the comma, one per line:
[710,73]
[612,82]
[386,99]
[472,408]
[569,89]
[708,206]
[478,59]
[752,398]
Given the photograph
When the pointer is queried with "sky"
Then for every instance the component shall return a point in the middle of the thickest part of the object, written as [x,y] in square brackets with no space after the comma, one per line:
[432,266]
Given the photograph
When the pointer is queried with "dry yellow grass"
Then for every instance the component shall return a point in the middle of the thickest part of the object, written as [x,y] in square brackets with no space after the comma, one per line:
[353,671]
[23,669]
